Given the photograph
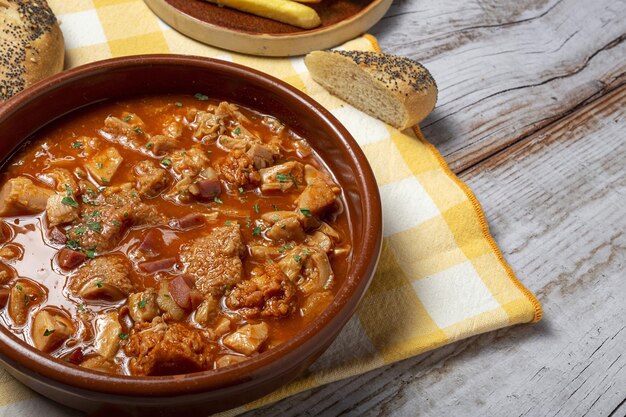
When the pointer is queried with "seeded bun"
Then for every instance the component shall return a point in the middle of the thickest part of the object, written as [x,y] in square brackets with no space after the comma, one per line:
[31,45]
[392,88]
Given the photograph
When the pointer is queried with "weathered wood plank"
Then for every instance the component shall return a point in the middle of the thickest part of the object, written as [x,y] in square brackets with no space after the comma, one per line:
[507,69]
[555,202]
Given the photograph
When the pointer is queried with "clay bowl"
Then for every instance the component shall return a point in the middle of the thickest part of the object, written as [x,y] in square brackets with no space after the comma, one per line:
[211,391]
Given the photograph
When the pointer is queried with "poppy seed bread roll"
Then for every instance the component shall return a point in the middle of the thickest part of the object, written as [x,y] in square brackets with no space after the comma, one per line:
[394,89]
[31,45]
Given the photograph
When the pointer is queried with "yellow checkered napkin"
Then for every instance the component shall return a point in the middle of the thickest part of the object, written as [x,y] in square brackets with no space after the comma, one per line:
[441,276]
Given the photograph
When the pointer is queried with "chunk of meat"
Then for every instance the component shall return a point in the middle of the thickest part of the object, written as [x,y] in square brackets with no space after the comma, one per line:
[172,127]
[103,224]
[238,170]
[172,349]
[70,259]
[183,292]
[61,210]
[143,305]
[207,126]
[129,133]
[61,180]
[316,200]
[21,196]
[25,295]
[207,311]
[171,310]
[319,194]
[150,243]
[283,177]
[321,241]
[191,221]
[151,267]
[206,185]
[99,363]
[262,155]
[105,277]
[291,264]
[189,162]
[50,330]
[103,165]
[161,144]
[108,330]
[214,260]
[286,230]
[227,360]
[57,236]
[315,303]
[268,293]
[247,339]
[150,180]
[317,272]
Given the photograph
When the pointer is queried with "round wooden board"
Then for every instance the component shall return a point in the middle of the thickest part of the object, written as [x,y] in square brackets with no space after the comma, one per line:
[237,31]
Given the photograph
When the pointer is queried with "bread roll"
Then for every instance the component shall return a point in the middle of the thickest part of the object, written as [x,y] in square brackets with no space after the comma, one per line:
[31,45]
[392,88]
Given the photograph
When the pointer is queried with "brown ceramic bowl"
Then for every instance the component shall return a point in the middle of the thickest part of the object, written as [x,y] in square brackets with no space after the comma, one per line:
[204,392]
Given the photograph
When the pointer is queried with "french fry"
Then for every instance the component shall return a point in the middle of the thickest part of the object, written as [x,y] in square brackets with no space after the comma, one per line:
[285,11]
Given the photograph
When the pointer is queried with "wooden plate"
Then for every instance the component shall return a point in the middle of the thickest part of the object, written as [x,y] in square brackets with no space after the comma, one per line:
[237,31]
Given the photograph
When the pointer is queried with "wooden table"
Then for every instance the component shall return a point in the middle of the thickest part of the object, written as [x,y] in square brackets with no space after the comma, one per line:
[531,115]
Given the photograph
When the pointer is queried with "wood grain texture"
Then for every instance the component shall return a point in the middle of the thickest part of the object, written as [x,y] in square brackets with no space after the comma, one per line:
[507,69]
[555,204]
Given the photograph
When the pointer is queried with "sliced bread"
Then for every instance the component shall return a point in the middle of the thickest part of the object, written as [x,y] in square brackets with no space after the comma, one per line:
[394,89]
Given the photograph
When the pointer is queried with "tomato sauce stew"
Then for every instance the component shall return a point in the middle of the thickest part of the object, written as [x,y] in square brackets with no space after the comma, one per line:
[167,234]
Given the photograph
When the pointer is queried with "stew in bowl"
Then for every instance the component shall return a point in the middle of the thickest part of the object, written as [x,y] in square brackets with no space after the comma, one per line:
[166,235]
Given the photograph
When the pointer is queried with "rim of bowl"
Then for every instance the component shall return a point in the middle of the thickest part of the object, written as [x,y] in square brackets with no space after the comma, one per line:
[256,368]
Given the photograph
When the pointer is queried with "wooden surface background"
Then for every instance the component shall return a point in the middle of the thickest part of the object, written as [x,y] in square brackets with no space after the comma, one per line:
[531,114]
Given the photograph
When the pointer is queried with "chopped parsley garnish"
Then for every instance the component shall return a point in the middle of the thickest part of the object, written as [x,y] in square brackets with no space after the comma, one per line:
[209,151]
[149,145]
[73,244]
[297,258]
[237,131]
[257,231]
[99,283]
[284,248]
[26,299]
[68,190]
[275,207]
[77,145]
[227,223]
[138,130]
[167,162]
[256,208]
[127,118]
[179,104]
[240,190]
[282,177]
[116,223]
[142,303]
[19,287]
[90,253]
[69,201]
[217,200]
[293,180]
[201,97]
[99,165]
[306,212]
[48,332]
[95,226]
[96,213]
[123,336]
[81,307]
[104,180]
[80,230]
